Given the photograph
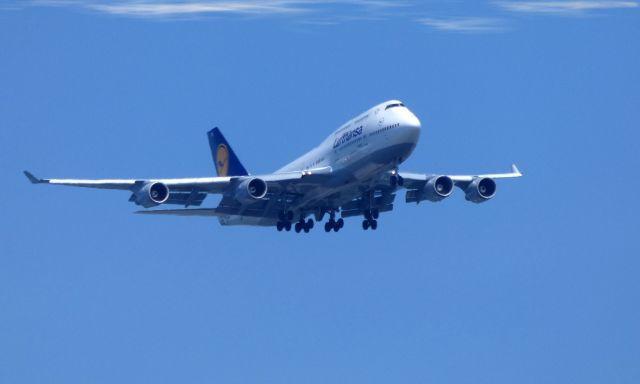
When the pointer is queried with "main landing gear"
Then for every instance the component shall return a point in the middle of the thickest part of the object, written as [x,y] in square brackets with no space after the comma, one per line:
[370,219]
[334,224]
[285,223]
[304,225]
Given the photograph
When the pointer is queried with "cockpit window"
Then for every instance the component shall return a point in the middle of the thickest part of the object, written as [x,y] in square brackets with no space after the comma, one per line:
[393,106]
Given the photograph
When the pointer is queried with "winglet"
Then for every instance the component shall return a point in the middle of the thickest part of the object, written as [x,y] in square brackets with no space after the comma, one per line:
[33,179]
[515,170]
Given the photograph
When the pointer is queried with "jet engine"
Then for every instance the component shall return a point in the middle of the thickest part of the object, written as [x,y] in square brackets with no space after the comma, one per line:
[435,189]
[480,190]
[251,189]
[151,194]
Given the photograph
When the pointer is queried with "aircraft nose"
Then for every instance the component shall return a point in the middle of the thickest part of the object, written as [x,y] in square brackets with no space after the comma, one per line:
[411,126]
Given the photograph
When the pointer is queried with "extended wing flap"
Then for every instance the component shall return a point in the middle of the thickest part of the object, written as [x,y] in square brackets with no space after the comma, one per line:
[183,212]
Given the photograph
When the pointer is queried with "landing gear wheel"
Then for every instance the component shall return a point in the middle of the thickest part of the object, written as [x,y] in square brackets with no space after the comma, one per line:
[374,224]
[393,180]
[340,223]
[400,181]
[365,224]
[327,227]
[287,226]
[279,226]
[298,227]
[336,227]
[309,224]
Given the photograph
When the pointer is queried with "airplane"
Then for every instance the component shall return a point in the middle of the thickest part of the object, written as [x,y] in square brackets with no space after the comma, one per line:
[353,172]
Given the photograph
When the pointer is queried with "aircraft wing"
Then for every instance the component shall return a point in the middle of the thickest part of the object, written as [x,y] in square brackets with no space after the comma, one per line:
[418,180]
[206,184]
[190,191]
[478,188]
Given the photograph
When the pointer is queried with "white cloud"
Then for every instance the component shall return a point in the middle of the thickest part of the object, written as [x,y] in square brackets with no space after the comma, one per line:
[160,9]
[330,12]
[177,8]
[464,24]
[565,7]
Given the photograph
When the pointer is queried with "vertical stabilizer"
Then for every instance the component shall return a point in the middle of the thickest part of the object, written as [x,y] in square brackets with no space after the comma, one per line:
[225,160]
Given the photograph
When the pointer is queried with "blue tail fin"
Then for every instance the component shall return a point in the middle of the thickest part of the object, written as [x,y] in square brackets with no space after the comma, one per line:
[225,160]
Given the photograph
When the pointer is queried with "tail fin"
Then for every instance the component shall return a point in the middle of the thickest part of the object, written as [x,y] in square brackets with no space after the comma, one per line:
[225,160]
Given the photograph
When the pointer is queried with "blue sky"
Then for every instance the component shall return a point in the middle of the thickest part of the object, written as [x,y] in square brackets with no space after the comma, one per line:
[538,285]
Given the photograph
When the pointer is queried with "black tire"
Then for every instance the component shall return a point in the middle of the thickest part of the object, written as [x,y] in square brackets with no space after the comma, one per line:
[310,224]
[365,224]
[374,224]
[279,226]
[340,223]
[298,227]
[327,227]
[287,226]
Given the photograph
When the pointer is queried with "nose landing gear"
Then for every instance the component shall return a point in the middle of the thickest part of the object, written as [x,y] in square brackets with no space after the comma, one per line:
[396,180]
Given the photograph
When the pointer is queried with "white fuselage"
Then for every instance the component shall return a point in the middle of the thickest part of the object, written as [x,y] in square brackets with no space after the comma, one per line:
[377,140]
[360,154]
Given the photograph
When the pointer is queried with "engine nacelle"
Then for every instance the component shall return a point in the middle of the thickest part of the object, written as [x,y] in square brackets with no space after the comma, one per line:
[152,194]
[437,188]
[251,190]
[481,189]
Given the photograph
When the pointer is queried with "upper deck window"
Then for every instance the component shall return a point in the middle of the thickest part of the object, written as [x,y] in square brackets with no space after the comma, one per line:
[393,106]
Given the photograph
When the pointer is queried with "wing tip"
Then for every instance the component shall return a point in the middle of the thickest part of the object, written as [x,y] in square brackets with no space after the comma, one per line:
[515,170]
[33,179]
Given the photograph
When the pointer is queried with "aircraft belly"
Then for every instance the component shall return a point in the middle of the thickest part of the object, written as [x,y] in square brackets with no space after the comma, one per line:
[347,181]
